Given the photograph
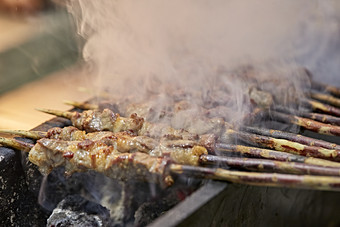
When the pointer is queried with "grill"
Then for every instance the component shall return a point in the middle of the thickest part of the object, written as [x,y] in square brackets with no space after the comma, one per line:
[191,201]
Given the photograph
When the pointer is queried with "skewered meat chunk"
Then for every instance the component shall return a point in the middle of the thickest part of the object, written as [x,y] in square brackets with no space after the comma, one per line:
[78,156]
[180,151]
[106,120]
[93,121]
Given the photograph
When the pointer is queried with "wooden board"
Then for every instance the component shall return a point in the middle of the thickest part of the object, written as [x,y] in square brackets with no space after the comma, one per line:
[17,108]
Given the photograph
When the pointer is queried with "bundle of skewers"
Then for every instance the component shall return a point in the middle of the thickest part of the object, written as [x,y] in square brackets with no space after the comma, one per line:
[122,140]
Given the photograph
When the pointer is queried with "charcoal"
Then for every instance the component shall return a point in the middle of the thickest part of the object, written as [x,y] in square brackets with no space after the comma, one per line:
[74,210]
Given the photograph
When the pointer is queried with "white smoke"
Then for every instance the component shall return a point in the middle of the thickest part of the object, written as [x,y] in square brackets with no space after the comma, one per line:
[137,46]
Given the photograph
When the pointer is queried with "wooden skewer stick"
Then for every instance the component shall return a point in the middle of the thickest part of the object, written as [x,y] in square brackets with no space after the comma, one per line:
[306,123]
[285,145]
[315,105]
[291,137]
[324,118]
[58,113]
[265,165]
[81,105]
[274,155]
[326,98]
[24,133]
[326,88]
[19,145]
[261,179]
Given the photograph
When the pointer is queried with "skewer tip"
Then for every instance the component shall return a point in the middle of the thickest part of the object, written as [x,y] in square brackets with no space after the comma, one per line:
[19,145]
[65,114]
[80,105]
[24,133]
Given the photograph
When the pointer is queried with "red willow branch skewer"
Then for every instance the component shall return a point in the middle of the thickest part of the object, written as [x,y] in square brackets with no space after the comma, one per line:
[324,118]
[274,155]
[306,123]
[285,145]
[261,179]
[291,137]
[265,165]
[325,88]
[325,98]
[78,157]
[83,105]
[315,105]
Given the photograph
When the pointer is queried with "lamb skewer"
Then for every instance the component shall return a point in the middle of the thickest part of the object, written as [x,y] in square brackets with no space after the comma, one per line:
[185,152]
[81,156]
[301,121]
[179,151]
[85,120]
[106,120]
[128,143]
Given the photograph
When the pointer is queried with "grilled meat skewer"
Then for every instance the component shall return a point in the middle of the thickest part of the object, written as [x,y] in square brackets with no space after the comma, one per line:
[106,120]
[83,156]
[79,156]
[186,152]
[175,149]
[179,151]
[284,145]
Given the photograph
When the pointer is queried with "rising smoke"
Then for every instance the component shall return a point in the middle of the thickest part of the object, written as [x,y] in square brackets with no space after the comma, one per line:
[140,47]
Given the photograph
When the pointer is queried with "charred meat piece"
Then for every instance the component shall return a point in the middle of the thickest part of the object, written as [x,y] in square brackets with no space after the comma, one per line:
[78,156]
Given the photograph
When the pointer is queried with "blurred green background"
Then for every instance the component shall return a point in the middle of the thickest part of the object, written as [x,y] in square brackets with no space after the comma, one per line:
[34,46]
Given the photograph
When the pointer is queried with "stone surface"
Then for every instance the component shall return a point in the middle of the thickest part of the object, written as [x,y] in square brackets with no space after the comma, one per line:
[16,202]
